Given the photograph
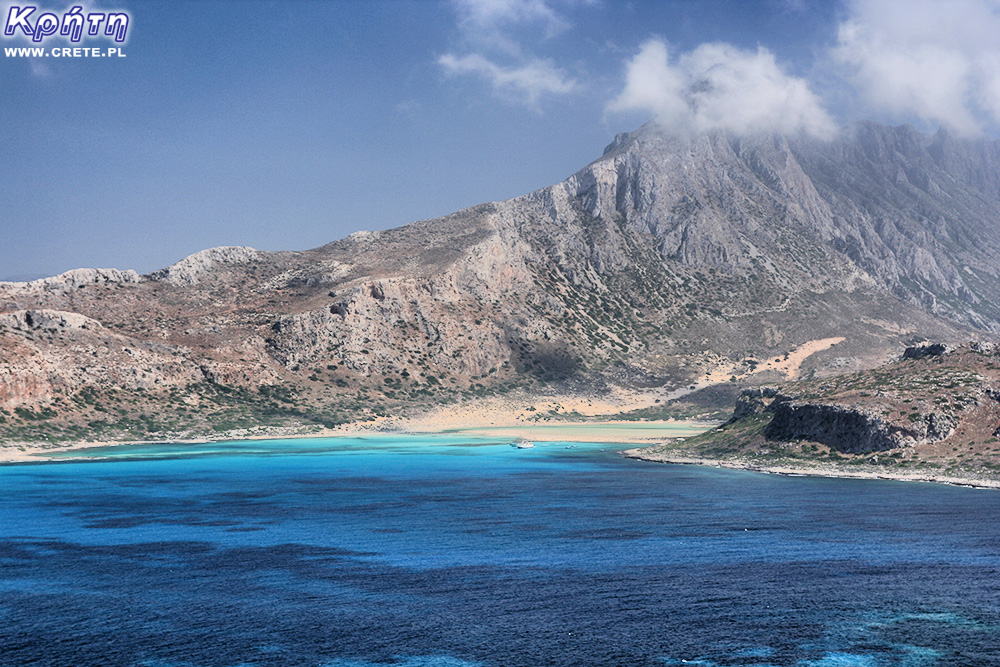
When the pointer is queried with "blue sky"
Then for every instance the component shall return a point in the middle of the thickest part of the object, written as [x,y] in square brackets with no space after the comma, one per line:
[284,125]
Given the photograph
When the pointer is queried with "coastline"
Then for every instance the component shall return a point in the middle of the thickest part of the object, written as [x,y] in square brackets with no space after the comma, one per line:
[609,431]
[816,470]
[647,436]
[540,417]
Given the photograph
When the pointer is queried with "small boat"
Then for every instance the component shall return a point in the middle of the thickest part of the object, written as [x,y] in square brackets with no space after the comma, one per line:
[522,444]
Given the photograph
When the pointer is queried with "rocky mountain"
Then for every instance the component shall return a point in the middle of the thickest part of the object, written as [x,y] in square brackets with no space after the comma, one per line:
[669,261]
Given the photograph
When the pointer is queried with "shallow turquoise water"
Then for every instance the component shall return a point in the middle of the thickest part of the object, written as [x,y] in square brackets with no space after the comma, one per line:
[434,550]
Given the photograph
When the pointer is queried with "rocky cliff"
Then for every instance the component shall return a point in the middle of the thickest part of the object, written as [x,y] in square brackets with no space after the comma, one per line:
[667,261]
[843,426]
[932,406]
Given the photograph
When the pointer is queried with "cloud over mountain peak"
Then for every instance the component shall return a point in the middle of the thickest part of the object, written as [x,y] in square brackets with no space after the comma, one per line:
[720,87]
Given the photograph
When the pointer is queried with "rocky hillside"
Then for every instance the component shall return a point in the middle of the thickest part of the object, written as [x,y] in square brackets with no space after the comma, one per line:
[666,262]
[934,408]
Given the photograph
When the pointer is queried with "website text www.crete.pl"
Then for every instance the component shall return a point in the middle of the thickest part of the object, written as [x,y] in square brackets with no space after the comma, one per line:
[63,52]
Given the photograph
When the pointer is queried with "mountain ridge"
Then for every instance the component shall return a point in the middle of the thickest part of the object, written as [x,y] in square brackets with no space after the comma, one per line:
[663,261]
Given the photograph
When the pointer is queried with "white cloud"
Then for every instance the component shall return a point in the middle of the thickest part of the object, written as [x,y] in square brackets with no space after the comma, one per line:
[525,83]
[938,60]
[720,87]
[492,34]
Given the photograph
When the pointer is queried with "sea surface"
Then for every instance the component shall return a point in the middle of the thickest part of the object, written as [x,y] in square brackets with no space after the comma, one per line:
[452,551]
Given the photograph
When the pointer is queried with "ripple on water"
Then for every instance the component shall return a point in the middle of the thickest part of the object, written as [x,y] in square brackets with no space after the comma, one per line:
[407,661]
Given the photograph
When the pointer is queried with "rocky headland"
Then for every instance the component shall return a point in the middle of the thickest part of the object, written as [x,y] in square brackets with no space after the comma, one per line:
[932,414]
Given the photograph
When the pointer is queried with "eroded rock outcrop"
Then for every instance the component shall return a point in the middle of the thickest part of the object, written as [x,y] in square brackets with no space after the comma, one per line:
[391,325]
[45,354]
[47,320]
[928,396]
[751,402]
[922,351]
[74,279]
[194,268]
[851,430]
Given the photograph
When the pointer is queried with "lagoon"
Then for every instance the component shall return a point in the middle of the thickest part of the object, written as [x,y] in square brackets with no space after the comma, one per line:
[459,550]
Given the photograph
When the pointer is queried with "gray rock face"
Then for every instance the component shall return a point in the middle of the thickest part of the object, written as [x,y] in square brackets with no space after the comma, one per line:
[879,206]
[193,268]
[921,351]
[48,353]
[74,279]
[752,402]
[47,320]
[850,430]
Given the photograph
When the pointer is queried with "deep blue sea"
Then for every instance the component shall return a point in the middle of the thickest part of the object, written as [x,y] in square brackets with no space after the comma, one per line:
[452,552]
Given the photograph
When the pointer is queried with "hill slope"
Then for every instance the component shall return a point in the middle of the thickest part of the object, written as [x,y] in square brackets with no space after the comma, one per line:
[666,262]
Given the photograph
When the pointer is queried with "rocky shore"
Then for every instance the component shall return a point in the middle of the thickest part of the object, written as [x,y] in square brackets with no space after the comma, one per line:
[854,471]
